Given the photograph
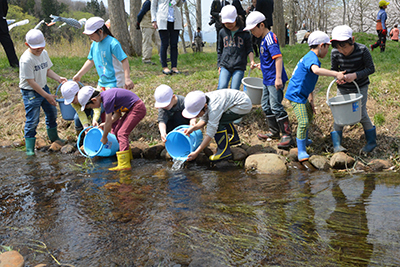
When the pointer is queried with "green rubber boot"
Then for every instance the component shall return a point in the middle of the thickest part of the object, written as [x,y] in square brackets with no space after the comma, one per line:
[53,135]
[30,146]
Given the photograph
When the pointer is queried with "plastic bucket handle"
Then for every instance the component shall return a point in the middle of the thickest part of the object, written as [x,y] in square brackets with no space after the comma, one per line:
[79,139]
[329,88]
[59,86]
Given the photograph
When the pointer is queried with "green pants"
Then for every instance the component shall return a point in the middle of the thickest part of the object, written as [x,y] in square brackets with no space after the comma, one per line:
[304,115]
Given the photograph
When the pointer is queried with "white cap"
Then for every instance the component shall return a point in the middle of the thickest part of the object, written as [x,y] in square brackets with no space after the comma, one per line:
[253,19]
[93,24]
[341,33]
[69,90]
[194,103]
[228,14]
[317,38]
[84,96]
[35,39]
[163,96]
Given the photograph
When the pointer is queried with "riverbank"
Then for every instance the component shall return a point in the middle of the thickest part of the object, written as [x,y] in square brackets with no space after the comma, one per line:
[200,73]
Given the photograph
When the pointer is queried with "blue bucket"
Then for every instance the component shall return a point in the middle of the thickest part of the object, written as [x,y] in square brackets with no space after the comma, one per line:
[94,147]
[67,111]
[179,145]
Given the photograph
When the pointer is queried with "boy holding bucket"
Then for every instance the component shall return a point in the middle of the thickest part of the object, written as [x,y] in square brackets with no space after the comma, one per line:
[216,109]
[34,68]
[170,107]
[69,91]
[356,60]
[302,84]
[116,101]
[274,79]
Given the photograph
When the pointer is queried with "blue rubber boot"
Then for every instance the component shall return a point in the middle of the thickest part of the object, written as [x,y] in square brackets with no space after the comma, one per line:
[232,134]
[370,135]
[308,141]
[337,141]
[224,150]
[30,146]
[301,150]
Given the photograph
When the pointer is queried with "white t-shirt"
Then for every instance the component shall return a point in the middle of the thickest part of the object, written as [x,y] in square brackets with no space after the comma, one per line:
[33,67]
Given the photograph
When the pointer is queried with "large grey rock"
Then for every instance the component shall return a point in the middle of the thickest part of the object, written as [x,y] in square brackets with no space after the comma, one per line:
[238,153]
[266,163]
[341,160]
[320,162]
[379,164]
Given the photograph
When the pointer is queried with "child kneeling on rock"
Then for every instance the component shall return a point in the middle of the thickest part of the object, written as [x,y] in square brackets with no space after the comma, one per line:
[115,101]
[217,110]
[302,84]
[35,66]
[170,107]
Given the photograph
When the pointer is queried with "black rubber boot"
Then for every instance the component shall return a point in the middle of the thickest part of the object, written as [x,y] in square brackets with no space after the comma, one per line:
[273,129]
[286,140]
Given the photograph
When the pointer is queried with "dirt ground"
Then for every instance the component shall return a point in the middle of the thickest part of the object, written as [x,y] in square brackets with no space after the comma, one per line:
[13,119]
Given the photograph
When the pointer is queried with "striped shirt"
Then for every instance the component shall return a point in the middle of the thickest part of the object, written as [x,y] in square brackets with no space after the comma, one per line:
[359,62]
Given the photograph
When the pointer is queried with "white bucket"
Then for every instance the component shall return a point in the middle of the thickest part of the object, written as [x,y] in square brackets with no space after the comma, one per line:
[346,109]
[253,88]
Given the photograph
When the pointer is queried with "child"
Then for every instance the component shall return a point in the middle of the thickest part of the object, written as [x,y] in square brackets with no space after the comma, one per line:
[302,84]
[217,110]
[170,108]
[34,69]
[381,26]
[115,101]
[394,33]
[274,80]
[356,61]
[107,56]
[234,45]
[69,91]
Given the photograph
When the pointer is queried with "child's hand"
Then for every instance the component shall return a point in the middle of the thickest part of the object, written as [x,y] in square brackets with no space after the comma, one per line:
[253,66]
[340,76]
[63,80]
[104,140]
[188,131]
[192,156]
[129,84]
[51,99]
[76,78]
[278,83]
[164,137]
[350,77]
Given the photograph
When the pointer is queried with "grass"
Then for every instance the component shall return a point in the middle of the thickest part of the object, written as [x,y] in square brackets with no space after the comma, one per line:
[200,73]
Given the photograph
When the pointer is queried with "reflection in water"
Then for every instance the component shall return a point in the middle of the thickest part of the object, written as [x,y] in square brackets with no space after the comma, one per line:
[154,215]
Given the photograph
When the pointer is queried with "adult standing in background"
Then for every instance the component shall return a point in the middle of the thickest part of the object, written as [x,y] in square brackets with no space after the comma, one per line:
[149,34]
[5,38]
[215,11]
[240,11]
[381,26]
[166,17]
[394,33]
[267,8]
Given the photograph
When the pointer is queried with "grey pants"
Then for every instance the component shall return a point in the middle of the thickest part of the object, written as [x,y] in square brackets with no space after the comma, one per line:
[365,120]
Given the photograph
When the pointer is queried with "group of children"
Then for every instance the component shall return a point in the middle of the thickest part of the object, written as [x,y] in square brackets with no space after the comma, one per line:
[218,109]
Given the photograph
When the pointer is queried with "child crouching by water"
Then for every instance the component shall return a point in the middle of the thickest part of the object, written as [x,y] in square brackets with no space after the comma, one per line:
[115,102]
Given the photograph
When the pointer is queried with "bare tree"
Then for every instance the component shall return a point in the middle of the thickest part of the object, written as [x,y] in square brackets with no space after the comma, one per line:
[198,14]
[136,35]
[279,22]
[118,17]
[188,23]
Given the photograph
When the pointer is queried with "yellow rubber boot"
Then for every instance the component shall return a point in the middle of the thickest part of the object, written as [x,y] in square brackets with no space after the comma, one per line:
[124,161]
[224,150]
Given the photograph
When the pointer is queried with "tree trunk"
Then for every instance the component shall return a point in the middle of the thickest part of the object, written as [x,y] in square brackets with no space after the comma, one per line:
[118,17]
[292,23]
[279,22]
[188,23]
[136,35]
[198,15]
[182,34]
[344,12]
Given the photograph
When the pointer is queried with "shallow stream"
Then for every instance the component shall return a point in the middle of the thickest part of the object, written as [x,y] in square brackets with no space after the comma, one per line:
[58,210]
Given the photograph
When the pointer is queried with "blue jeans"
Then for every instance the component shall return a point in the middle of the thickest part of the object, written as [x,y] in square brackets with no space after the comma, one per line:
[169,37]
[271,101]
[32,102]
[225,75]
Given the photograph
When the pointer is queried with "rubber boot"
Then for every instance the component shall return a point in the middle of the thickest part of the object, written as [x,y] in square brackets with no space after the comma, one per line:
[53,135]
[232,134]
[370,135]
[124,161]
[30,146]
[78,131]
[286,140]
[273,129]
[224,150]
[337,141]
[130,154]
[301,150]
[308,141]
